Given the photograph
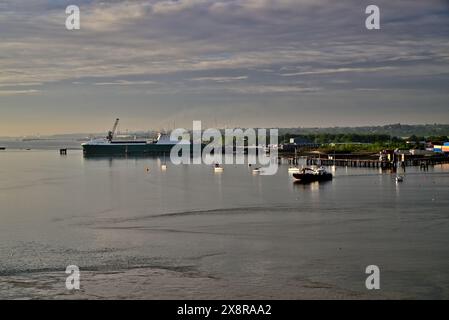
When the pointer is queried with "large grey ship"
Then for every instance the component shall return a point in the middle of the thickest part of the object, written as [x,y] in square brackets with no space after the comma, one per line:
[108,146]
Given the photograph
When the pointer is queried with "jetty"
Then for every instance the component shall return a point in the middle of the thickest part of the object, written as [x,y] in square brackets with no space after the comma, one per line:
[369,163]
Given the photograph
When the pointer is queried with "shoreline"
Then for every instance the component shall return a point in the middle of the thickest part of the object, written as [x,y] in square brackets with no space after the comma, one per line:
[148,283]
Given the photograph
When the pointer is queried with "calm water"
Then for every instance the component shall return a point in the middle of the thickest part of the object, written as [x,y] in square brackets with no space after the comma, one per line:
[191,233]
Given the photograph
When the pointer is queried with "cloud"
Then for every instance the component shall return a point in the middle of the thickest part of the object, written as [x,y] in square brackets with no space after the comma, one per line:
[175,7]
[264,89]
[124,83]
[18,92]
[337,70]
[219,79]
[112,17]
[120,39]
[210,49]
[20,84]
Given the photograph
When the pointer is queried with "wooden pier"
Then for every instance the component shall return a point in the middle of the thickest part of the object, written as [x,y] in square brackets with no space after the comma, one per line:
[367,163]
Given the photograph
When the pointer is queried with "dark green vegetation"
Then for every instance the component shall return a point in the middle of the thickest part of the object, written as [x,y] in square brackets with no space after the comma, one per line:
[349,140]
[360,148]
[394,130]
[348,143]
[325,138]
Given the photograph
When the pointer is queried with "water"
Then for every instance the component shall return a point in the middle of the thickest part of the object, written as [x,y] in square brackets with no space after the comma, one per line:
[191,233]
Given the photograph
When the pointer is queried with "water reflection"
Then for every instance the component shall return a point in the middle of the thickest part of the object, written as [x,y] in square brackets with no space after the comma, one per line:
[310,185]
[95,206]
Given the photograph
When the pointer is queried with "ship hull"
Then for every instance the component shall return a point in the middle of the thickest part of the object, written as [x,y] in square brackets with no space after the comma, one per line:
[125,149]
[305,177]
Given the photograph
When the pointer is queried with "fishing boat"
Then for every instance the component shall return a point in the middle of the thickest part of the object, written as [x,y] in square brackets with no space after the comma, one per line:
[311,175]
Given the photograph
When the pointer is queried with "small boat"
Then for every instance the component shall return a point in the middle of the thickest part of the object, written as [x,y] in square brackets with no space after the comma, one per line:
[256,170]
[2,148]
[294,169]
[311,175]
[218,168]
[399,179]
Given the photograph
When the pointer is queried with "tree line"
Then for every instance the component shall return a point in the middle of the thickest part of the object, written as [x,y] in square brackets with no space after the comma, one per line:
[326,138]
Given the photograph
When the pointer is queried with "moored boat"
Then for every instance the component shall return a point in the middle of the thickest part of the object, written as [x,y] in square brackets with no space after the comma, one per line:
[218,168]
[256,170]
[311,175]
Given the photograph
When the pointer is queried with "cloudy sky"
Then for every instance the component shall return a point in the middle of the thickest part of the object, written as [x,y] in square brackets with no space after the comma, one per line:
[259,63]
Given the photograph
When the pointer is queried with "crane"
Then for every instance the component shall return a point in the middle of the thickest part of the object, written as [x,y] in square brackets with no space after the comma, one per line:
[112,132]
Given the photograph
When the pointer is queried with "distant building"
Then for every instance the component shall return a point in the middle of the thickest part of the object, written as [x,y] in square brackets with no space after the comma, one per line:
[303,142]
[416,142]
[418,152]
[444,148]
[298,143]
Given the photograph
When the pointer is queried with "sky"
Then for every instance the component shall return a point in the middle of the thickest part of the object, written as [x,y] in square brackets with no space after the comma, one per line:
[229,63]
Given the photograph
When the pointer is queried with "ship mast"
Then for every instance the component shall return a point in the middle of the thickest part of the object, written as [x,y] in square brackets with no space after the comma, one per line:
[111,133]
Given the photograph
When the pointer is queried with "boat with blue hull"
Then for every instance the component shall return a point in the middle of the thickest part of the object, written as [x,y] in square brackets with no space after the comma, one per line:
[109,147]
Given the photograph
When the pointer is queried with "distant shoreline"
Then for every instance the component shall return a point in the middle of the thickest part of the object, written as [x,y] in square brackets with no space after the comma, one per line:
[399,130]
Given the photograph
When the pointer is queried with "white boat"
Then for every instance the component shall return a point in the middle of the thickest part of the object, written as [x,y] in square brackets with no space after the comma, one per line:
[312,175]
[218,168]
[293,169]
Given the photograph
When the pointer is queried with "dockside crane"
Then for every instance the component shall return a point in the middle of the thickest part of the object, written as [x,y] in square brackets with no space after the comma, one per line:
[112,132]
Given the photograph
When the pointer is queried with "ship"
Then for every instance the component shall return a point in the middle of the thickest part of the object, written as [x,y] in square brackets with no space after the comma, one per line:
[108,146]
[312,175]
